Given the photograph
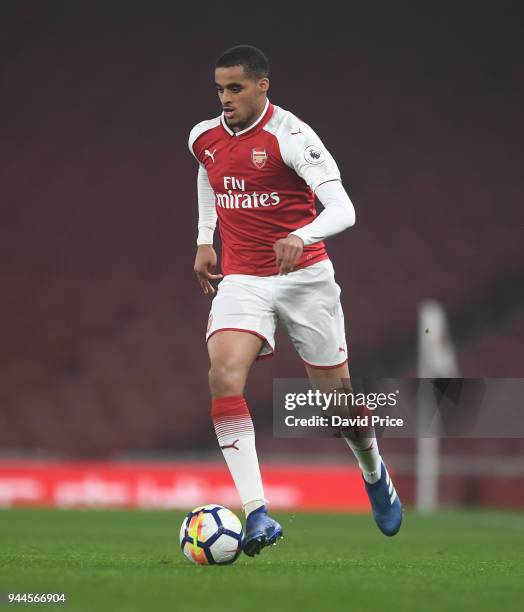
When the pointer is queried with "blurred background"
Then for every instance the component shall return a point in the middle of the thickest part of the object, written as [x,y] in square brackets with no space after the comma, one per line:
[102,353]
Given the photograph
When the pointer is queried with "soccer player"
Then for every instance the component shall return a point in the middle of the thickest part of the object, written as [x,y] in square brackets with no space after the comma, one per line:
[260,168]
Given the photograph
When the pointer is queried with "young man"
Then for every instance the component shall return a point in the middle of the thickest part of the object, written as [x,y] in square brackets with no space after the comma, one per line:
[259,170]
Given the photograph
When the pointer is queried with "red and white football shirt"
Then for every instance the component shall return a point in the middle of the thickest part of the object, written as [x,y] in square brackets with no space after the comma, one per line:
[264,180]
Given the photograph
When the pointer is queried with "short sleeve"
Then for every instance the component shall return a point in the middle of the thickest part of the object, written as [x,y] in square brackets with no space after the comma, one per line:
[199,130]
[303,151]
[193,135]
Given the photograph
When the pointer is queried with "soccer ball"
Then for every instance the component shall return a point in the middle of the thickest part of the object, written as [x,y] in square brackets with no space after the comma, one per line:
[211,535]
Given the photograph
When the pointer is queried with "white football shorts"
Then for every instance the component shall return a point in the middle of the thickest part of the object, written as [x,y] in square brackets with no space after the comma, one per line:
[306,302]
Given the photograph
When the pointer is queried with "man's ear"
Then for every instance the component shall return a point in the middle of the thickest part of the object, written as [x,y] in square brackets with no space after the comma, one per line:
[264,84]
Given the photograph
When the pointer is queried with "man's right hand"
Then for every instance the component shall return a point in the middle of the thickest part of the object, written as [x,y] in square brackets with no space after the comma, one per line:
[205,265]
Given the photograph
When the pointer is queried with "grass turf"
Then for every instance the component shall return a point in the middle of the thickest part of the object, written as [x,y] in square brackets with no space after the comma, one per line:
[111,560]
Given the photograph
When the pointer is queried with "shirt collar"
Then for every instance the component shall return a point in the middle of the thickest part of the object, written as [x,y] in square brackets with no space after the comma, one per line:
[248,129]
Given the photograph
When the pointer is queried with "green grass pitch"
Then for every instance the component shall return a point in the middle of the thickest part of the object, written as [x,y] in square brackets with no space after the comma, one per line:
[112,560]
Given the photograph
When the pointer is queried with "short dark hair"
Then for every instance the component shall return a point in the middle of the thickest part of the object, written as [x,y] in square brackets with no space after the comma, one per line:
[255,63]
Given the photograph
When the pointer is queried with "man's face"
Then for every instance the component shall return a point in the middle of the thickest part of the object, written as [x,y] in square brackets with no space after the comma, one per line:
[242,97]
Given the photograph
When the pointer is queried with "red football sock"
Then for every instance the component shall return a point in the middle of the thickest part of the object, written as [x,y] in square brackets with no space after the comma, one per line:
[236,437]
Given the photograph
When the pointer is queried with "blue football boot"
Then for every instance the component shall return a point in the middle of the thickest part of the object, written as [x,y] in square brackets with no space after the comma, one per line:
[386,506]
[261,530]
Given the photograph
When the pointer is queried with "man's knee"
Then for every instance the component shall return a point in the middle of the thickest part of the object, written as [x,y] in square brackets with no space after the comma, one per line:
[226,378]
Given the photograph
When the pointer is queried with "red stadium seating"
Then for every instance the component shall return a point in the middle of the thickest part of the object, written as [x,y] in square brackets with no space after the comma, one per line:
[102,322]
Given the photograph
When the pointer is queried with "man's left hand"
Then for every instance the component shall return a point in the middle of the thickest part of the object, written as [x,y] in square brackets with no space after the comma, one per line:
[288,252]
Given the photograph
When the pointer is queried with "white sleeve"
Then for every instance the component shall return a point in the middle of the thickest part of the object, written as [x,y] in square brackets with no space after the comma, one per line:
[338,214]
[303,151]
[207,214]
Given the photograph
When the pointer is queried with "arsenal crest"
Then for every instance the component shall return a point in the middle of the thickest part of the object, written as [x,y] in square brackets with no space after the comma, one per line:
[258,157]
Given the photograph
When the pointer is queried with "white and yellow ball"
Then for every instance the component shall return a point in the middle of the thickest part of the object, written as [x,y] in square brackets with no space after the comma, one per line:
[211,535]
